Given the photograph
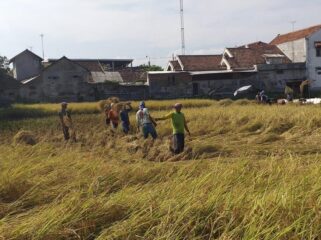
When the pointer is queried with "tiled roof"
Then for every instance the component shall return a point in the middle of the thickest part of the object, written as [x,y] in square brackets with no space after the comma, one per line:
[200,62]
[176,65]
[101,77]
[92,66]
[295,35]
[134,74]
[99,64]
[253,54]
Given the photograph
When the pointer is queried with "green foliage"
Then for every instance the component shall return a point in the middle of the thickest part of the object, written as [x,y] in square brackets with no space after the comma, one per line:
[151,68]
[4,62]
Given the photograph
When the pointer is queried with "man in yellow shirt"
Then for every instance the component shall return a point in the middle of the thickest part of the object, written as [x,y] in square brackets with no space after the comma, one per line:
[179,126]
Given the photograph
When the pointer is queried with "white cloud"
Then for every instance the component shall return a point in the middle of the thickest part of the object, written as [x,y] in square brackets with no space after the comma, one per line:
[140,28]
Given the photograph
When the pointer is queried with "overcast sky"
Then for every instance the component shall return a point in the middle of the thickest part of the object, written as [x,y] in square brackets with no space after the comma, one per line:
[139,28]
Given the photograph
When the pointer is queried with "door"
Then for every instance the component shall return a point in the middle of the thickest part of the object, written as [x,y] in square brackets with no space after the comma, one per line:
[195,89]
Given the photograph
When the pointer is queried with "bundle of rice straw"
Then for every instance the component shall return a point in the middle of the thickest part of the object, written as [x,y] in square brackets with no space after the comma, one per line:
[25,137]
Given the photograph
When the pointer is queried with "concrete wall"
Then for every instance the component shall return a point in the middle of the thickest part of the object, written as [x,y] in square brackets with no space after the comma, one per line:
[275,77]
[8,95]
[25,66]
[169,85]
[270,77]
[223,85]
[66,81]
[32,91]
[295,50]
[9,88]
[109,89]
[314,62]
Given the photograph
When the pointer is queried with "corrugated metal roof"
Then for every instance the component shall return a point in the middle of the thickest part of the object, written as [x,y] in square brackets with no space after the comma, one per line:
[100,77]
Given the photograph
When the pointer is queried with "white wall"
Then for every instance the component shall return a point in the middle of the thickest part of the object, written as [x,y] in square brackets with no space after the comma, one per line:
[299,47]
[26,66]
[313,61]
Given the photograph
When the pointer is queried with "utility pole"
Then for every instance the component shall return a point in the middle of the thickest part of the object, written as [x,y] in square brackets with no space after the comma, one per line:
[148,58]
[293,53]
[182,26]
[43,51]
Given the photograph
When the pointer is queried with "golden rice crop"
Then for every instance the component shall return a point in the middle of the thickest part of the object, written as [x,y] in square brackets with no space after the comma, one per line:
[249,172]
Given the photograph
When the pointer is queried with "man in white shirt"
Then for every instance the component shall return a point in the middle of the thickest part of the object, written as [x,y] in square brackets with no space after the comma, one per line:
[145,122]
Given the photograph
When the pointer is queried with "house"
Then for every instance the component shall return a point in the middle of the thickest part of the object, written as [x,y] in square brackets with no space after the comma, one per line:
[304,46]
[64,80]
[247,57]
[177,81]
[262,65]
[26,65]
[78,80]
[274,70]
[196,63]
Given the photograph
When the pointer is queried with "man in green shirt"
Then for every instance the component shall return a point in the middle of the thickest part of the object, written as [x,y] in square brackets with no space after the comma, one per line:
[179,126]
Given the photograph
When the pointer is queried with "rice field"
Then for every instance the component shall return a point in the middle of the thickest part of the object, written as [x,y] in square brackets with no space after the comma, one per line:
[248,172]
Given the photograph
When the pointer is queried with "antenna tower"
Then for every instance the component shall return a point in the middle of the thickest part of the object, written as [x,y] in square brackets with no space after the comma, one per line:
[182,26]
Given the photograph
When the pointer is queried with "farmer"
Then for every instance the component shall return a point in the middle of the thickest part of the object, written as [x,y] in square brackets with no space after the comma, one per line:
[179,126]
[107,108]
[113,115]
[125,118]
[66,122]
[145,122]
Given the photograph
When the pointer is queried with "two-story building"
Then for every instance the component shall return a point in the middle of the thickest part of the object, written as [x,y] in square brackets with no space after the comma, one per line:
[304,46]
[26,65]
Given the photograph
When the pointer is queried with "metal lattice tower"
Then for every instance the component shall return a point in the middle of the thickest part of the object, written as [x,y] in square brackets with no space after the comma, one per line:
[182,26]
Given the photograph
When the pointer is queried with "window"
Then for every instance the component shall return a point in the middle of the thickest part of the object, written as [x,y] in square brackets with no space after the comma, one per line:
[318,48]
[36,62]
[32,87]
[53,77]
[173,80]
[318,70]
[274,60]
[280,71]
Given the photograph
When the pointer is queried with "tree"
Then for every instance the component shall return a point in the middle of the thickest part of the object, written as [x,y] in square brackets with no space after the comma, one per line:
[4,63]
[151,68]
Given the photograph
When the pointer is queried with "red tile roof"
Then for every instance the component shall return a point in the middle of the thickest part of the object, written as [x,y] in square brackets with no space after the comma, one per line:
[200,62]
[92,66]
[176,65]
[133,74]
[252,54]
[295,35]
